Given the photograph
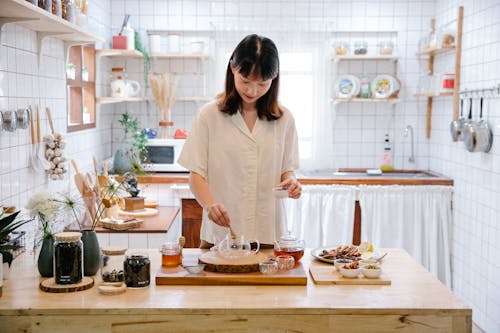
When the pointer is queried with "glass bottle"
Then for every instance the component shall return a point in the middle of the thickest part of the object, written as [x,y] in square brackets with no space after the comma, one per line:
[387,156]
[137,267]
[45,4]
[364,91]
[68,10]
[112,264]
[57,8]
[68,258]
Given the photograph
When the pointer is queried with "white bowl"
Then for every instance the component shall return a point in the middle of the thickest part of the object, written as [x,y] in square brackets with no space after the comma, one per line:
[371,273]
[350,273]
[341,262]
[194,269]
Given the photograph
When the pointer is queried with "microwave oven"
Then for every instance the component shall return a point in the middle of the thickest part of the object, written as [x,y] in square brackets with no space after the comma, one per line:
[163,154]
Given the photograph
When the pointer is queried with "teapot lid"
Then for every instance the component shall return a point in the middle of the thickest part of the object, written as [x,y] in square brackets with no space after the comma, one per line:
[288,240]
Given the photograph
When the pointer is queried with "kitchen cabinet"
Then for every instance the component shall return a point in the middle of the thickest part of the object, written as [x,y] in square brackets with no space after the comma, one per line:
[45,25]
[437,50]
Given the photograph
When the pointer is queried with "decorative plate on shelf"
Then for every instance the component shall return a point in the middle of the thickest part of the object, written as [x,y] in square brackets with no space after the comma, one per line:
[347,86]
[383,86]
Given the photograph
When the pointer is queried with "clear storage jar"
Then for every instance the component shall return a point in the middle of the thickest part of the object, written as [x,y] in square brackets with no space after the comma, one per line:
[385,47]
[68,10]
[68,258]
[137,267]
[45,4]
[341,48]
[360,47]
[112,264]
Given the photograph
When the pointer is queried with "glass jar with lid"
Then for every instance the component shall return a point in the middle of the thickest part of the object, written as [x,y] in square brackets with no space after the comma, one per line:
[68,10]
[118,82]
[341,48]
[112,264]
[68,258]
[385,47]
[137,267]
[360,47]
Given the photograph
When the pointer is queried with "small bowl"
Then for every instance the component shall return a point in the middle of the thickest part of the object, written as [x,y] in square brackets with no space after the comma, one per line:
[371,273]
[350,272]
[268,267]
[194,269]
[341,262]
[285,262]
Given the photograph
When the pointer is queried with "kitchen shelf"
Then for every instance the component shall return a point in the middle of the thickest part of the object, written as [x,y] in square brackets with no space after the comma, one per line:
[391,57]
[432,52]
[113,100]
[118,53]
[457,48]
[45,24]
[366,100]
[431,94]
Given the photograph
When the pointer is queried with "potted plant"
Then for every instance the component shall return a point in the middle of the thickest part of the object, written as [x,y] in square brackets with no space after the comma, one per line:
[131,159]
[8,223]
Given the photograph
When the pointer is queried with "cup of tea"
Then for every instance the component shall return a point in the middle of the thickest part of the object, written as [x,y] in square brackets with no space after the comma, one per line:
[171,254]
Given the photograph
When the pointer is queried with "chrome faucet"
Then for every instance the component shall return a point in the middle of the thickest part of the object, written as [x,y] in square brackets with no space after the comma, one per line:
[408,128]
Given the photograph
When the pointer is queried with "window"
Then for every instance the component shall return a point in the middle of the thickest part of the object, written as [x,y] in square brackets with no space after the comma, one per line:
[296,93]
[80,84]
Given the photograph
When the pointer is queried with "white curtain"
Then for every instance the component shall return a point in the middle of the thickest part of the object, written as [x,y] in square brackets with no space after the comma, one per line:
[416,218]
[323,215]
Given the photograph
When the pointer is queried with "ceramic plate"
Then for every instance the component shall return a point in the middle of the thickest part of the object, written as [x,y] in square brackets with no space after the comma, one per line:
[347,86]
[316,254]
[383,86]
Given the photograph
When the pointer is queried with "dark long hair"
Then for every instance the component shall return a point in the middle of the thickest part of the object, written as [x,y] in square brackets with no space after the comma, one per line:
[254,55]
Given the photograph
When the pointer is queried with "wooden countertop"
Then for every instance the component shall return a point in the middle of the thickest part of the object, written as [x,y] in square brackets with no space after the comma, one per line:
[328,177]
[414,298]
[152,224]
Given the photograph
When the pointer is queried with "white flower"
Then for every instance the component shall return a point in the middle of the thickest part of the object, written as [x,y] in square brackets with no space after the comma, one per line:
[43,203]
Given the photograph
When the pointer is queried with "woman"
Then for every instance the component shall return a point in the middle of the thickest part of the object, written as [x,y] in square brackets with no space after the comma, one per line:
[241,146]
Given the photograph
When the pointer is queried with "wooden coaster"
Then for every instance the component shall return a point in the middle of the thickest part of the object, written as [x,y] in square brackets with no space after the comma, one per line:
[139,213]
[112,290]
[50,286]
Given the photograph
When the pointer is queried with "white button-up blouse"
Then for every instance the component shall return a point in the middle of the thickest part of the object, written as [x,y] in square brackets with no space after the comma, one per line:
[241,169]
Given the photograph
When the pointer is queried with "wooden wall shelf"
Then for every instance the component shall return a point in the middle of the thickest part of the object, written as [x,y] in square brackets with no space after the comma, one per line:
[458,58]
[391,57]
[366,100]
[45,24]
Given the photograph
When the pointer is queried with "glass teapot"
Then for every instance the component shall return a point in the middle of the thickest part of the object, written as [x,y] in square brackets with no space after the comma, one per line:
[238,247]
[290,245]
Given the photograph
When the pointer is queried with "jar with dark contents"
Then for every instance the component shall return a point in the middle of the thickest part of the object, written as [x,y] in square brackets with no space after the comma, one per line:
[68,258]
[57,8]
[137,267]
[112,264]
[68,10]
[45,4]
[360,47]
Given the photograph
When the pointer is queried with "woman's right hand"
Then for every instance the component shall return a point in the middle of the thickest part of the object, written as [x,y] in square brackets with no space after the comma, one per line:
[219,215]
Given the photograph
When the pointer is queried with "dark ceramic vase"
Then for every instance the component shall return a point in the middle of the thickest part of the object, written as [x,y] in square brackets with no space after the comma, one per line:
[46,258]
[91,252]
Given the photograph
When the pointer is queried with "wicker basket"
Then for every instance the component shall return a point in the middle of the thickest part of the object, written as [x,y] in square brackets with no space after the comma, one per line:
[125,225]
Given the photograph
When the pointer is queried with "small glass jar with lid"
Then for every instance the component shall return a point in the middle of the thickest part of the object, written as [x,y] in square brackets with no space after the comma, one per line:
[360,47]
[68,258]
[385,47]
[112,264]
[137,267]
[341,48]
[118,82]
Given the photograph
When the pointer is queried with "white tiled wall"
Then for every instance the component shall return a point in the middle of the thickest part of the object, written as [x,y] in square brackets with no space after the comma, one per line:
[476,270]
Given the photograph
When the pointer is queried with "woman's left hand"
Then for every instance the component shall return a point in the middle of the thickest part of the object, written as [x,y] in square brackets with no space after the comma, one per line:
[294,188]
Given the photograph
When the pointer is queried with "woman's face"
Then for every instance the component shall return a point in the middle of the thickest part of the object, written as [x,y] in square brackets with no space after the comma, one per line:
[250,88]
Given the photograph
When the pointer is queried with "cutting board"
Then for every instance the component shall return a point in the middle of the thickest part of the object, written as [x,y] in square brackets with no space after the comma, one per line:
[327,274]
[179,276]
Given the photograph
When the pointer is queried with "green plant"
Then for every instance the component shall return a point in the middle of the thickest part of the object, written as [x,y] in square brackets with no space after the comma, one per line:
[137,140]
[8,224]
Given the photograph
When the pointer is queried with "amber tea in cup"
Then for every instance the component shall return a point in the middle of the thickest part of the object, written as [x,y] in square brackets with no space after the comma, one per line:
[170,254]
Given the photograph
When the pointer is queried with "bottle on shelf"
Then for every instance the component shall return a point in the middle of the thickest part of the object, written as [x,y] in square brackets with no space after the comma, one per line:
[387,155]
[130,34]
[365,91]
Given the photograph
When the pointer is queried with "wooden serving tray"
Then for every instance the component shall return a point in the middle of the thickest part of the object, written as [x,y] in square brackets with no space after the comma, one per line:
[179,276]
[323,273]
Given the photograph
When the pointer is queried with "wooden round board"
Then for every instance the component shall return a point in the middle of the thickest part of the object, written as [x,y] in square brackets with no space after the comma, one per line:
[50,286]
[143,212]
[216,263]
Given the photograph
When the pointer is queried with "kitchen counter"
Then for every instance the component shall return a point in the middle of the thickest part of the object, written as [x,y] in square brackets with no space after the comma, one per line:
[340,176]
[415,301]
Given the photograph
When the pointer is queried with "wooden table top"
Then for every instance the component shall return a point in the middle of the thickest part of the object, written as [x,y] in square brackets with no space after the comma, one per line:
[413,291]
[159,223]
